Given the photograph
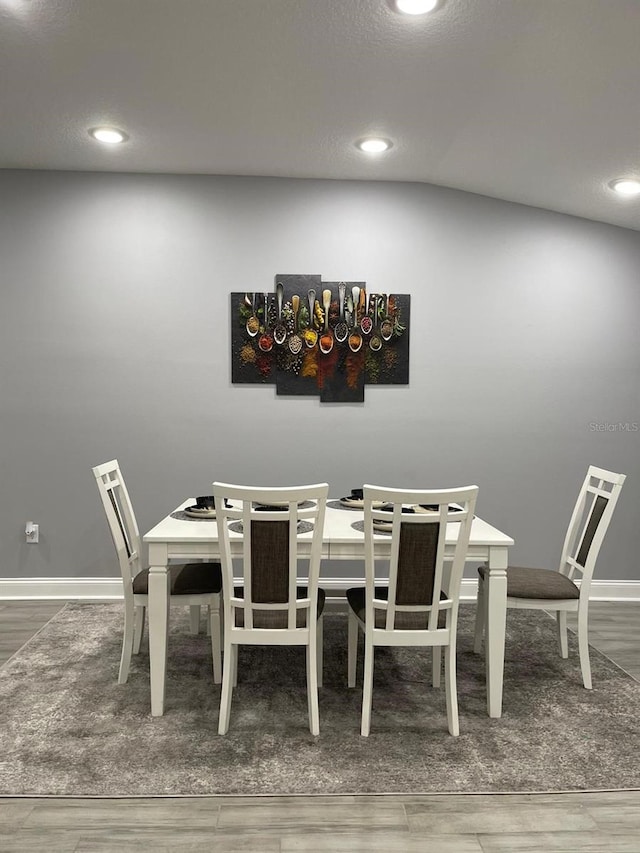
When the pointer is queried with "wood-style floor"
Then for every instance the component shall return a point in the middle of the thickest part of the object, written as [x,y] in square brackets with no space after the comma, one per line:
[559,823]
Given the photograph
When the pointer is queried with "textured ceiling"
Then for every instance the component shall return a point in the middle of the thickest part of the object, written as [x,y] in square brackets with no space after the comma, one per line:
[532,101]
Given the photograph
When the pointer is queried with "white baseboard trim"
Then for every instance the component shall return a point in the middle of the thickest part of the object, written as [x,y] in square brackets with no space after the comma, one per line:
[61,589]
[110,589]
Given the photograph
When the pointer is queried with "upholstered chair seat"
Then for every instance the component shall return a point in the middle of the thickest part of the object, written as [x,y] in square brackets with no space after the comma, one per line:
[543,584]
[185,579]
[278,618]
[357,601]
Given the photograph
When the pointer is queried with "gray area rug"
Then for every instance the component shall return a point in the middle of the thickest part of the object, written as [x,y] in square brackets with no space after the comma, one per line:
[68,729]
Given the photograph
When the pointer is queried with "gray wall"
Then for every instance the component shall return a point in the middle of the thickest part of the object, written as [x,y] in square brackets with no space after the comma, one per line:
[114,342]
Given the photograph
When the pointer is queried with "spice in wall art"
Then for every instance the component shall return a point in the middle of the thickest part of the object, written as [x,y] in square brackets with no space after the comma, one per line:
[310,337]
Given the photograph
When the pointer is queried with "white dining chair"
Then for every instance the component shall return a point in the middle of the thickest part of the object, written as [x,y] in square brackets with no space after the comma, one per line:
[191,584]
[565,589]
[274,604]
[419,605]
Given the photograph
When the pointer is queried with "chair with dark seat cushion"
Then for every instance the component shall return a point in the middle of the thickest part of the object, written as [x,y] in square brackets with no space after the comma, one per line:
[191,584]
[419,606]
[357,601]
[276,604]
[557,590]
[278,618]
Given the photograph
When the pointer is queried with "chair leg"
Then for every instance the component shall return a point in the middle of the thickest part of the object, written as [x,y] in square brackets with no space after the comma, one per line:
[230,658]
[194,618]
[138,628]
[561,621]
[216,645]
[320,649]
[367,686]
[436,667]
[312,683]
[352,649]
[583,644]
[450,687]
[480,617]
[127,642]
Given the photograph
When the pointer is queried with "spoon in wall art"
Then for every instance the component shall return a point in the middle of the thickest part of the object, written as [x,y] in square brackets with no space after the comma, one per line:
[310,334]
[386,327]
[326,339]
[375,341]
[355,338]
[295,341]
[366,324]
[265,341]
[280,330]
[341,329]
[253,324]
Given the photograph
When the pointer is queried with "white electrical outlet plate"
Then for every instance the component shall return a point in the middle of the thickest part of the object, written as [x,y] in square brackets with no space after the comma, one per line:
[32,531]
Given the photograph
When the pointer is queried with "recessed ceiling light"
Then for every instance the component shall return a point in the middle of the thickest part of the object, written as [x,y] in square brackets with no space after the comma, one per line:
[416,7]
[110,135]
[626,187]
[374,145]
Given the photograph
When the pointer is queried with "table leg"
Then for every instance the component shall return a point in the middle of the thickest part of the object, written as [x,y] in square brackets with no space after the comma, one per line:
[495,625]
[158,625]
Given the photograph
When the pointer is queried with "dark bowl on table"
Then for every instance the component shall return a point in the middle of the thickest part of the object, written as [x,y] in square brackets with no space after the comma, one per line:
[206,502]
[357,494]
[209,502]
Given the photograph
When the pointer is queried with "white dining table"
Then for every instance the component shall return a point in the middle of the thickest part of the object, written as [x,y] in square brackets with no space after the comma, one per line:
[196,539]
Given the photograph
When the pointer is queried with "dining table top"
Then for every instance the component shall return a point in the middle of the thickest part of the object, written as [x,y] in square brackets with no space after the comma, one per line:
[340,528]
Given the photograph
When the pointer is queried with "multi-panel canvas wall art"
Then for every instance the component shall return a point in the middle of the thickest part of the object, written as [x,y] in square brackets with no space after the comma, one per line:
[310,337]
